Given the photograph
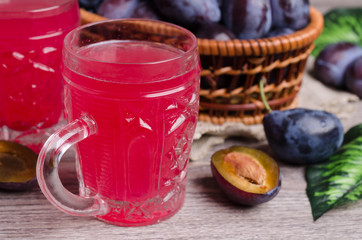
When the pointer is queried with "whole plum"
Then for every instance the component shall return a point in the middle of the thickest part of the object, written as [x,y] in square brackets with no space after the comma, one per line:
[292,14]
[331,63]
[189,12]
[353,77]
[214,31]
[117,8]
[247,18]
[303,136]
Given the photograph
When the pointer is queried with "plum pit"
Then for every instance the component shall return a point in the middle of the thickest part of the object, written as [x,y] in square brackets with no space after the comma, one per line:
[246,167]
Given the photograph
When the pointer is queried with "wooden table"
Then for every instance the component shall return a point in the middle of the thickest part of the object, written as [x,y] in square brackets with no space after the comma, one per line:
[206,214]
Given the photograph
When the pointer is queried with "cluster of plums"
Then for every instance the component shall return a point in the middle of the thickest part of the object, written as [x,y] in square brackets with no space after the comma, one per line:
[340,65]
[213,19]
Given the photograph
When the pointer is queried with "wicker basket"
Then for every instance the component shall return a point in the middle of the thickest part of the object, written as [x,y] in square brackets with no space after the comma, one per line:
[231,71]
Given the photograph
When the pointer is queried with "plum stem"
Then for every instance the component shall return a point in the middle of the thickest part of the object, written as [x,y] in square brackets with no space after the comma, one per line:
[262,82]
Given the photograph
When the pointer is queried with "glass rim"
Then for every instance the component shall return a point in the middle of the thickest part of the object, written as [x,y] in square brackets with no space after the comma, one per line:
[67,46]
[39,10]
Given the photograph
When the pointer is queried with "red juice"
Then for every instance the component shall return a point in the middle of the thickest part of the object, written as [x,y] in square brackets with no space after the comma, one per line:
[146,116]
[32,34]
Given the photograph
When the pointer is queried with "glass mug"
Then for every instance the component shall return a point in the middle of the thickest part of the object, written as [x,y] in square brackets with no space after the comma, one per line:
[30,55]
[131,100]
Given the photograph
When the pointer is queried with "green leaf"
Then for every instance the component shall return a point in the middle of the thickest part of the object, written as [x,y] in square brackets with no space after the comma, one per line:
[336,181]
[353,133]
[340,25]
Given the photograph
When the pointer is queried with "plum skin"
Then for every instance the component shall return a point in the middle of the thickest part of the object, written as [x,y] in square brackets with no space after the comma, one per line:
[353,77]
[243,196]
[331,63]
[117,8]
[248,19]
[214,31]
[303,136]
[189,12]
[279,32]
[146,9]
[292,14]
[18,162]
[18,186]
[90,5]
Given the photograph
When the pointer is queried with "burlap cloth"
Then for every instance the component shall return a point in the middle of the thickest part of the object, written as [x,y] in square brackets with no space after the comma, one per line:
[313,95]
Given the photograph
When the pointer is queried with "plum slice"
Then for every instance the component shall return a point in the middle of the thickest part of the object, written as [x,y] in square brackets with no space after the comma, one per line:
[246,175]
[17,166]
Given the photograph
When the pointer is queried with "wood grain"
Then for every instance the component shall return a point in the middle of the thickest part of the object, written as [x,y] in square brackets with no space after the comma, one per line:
[206,214]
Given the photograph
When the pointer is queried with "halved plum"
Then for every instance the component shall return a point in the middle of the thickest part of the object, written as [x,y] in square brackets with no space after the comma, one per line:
[246,175]
[17,166]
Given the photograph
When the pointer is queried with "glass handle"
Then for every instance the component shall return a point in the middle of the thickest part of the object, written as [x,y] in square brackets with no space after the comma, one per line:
[48,176]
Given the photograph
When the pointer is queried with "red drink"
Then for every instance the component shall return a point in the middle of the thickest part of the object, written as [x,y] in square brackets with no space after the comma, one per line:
[32,34]
[146,126]
[131,99]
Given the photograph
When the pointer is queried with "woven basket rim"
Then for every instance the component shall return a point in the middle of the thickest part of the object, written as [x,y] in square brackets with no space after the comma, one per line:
[250,47]
[266,46]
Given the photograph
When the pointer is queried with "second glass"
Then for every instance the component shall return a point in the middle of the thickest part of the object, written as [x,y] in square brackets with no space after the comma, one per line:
[31,41]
